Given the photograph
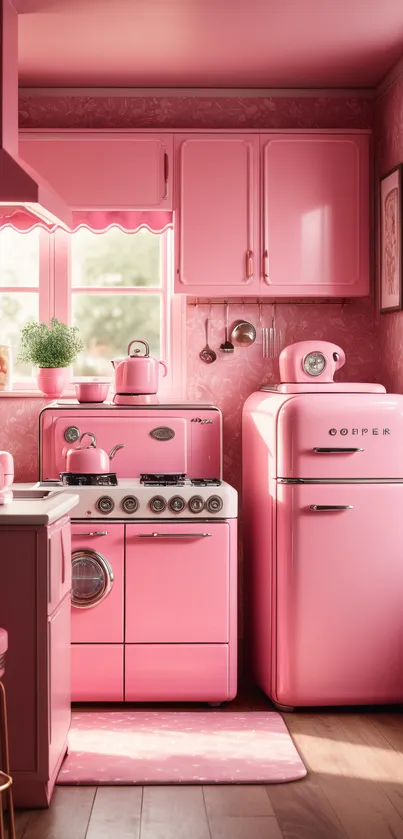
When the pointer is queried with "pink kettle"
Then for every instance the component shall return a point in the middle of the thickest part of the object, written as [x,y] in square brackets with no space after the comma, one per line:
[89,459]
[137,374]
[6,477]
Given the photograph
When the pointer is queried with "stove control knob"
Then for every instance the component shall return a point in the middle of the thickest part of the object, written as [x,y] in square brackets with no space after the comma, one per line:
[130,504]
[177,504]
[214,504]
[196,504]
[105,504]
[158,504]
[72,434]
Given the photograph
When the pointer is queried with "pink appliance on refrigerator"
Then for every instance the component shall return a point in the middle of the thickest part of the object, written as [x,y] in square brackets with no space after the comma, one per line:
[323,514]
[154,550]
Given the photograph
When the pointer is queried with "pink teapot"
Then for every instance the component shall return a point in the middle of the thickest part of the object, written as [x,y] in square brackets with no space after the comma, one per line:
[89,459]
[137,373]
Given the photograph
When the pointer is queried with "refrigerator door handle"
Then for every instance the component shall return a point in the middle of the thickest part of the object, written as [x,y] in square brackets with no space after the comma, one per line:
[330,508]
[320,450]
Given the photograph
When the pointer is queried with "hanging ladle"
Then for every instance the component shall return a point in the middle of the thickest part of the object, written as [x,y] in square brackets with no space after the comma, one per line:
[226,346]
[207,354]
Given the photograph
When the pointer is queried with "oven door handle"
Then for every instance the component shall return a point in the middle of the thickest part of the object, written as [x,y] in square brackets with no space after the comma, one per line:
[91,533]
[333,450]
[173,535]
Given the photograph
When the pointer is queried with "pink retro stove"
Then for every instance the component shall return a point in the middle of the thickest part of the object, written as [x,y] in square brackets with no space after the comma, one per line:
[323,502]
[154,552]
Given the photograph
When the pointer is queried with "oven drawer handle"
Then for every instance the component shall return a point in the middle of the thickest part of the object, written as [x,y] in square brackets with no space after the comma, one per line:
[173,535]
[92,533]
[330,508]
[335,450]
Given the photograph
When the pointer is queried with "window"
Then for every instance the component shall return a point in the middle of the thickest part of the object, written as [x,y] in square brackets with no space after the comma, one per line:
[115,286]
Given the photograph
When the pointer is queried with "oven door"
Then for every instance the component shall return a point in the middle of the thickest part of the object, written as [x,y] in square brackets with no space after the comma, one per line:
[91,578]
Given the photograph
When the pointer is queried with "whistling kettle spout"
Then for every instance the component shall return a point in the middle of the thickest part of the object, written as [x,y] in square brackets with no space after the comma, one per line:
[115,449]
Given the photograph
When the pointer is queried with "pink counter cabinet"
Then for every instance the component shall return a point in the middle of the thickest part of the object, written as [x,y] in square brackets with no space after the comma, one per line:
[35,579]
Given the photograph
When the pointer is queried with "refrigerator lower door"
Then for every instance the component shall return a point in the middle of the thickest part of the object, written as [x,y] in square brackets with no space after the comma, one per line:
[339,585]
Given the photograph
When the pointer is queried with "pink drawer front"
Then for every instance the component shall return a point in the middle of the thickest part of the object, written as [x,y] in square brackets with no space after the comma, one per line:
[97,672]
[177,585]
[176,672]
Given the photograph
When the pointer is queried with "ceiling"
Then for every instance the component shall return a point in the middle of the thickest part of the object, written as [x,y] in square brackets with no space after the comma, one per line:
[208,43]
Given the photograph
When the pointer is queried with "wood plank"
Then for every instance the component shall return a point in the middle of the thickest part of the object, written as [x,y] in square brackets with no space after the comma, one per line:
[174,812]
[244,827]
[67,817]
[116,813]
[390,725]
[346,779]
[21,822]
[239,800]
[303,811]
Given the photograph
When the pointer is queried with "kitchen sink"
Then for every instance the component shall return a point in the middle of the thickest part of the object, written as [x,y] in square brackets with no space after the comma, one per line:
[38,494]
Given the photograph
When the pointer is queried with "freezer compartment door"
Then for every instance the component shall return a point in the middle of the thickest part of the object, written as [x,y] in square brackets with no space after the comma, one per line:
[343,435]
[339,621]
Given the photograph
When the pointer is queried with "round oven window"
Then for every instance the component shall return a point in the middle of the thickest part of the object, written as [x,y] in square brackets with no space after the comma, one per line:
[92,578]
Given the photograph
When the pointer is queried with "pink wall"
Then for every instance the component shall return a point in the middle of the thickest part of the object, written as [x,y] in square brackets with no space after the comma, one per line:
[388,134]
[232,378]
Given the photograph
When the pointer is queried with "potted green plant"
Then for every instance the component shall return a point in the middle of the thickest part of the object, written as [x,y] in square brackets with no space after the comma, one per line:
[52,348]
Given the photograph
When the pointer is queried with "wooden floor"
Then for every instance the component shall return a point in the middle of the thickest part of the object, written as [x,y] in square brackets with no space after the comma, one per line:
[354,789]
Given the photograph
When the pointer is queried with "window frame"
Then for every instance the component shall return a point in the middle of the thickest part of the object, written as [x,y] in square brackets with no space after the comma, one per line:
[55,299]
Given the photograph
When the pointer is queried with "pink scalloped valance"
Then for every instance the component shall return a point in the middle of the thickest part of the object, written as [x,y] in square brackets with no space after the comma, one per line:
[96,220]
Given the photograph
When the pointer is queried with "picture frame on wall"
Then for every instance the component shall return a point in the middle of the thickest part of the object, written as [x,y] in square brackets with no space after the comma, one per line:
[390,295]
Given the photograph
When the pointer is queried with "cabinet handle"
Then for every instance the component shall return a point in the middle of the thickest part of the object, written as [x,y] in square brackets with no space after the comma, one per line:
[249,264]
[166,174]
[91,533]
[335,450]
[266,265]
[173,535]
[330,508]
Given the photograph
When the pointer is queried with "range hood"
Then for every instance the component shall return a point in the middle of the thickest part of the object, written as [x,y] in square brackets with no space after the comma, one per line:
[22,190]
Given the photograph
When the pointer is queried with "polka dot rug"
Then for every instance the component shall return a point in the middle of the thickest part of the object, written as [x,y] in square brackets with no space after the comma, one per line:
[179,747]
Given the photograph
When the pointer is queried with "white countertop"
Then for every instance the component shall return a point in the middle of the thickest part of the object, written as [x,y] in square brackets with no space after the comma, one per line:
[40,511]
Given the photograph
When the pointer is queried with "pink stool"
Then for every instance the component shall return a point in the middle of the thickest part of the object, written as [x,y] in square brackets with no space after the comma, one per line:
[5,779]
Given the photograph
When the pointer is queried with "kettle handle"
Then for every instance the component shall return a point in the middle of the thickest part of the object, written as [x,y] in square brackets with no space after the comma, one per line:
[165,366]
[137,341]
[93,440]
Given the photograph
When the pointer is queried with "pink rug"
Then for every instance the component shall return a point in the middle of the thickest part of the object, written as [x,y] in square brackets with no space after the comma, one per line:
[179,747]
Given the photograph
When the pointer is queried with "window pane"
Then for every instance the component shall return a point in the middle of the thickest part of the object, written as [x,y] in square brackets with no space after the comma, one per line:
[15,310]
[115,258]
[19,258]
[107,324]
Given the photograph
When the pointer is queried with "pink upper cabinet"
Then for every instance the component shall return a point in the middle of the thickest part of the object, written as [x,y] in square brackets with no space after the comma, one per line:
[95,170]
[315,214]
[217,203]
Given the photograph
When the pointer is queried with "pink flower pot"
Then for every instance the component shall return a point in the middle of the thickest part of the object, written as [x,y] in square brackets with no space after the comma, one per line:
[53,380]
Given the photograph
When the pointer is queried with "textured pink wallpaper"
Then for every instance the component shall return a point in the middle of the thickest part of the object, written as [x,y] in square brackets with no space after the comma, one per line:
[231,378]
[388,132]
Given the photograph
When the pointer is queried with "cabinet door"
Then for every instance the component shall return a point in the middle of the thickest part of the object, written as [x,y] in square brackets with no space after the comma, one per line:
[98,171]
[177,583]
[339,595]
[315,215]
[217,204]
[59,681]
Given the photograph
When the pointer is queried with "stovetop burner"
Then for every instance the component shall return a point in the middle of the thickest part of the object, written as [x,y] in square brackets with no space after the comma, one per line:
[162,479]
[178,479]
[106,479]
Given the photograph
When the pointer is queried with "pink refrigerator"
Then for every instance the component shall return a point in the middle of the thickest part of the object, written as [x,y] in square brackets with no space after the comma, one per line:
[323,534]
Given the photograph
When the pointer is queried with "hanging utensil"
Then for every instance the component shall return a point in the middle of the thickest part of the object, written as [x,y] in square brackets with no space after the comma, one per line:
[243,333]
[264,332]
[272,334]
[207,354]
[226,346]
